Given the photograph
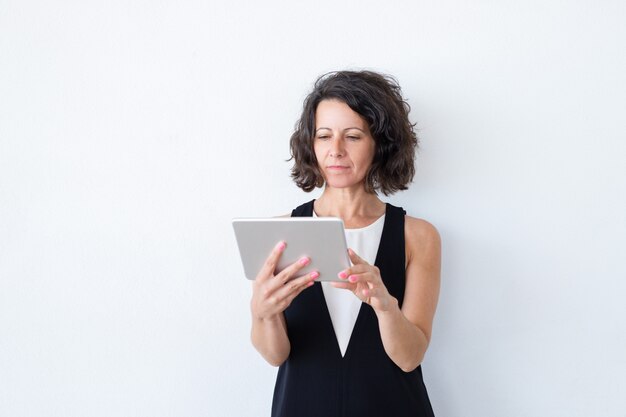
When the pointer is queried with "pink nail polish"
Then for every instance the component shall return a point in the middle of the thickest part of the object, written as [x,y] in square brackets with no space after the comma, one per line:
[342,275]
[352,278]
[304,261]
[315,274]
[281,245]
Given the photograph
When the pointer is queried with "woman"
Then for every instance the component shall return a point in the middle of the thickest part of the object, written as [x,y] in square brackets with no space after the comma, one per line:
[354,347]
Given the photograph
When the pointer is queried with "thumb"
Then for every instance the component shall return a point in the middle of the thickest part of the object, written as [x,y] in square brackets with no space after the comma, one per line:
[356,259]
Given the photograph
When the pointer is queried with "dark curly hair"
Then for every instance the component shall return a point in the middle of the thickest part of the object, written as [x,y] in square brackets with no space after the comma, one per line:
[378,99]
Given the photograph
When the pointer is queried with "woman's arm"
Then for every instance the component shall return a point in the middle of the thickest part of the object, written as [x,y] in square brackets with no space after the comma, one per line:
[405,332]
[269,337]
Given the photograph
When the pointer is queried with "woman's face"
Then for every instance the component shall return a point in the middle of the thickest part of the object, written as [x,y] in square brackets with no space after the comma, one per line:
[343,144]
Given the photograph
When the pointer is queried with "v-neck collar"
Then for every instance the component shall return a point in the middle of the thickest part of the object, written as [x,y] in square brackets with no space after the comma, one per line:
[320,292]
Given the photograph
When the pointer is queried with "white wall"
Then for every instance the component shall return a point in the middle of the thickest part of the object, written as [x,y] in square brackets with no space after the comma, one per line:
[131,132]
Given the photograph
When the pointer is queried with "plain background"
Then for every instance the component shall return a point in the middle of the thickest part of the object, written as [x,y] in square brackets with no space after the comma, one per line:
[132,132]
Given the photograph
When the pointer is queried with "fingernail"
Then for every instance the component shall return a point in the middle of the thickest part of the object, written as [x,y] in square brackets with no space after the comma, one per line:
[304,261]
[281,245]
[352,278]
[315,274]
[342,275]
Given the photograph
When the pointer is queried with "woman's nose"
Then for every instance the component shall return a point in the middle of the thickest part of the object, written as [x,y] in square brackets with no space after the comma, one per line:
[337,149]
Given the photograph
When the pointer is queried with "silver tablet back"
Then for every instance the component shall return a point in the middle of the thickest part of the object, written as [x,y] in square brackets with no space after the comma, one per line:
[322,239]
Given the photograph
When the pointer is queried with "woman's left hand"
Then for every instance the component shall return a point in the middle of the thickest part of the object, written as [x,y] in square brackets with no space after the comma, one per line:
[365,282]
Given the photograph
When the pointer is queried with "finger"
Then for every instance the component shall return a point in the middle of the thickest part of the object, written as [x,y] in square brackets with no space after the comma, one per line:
[376,297]
[358,265]
[369,292]
[294,294]
[268,268]
[294,287]
[343,285]
[352,270]
[364,277]
[289,272]
[356,259]
[356,269]
[280,298]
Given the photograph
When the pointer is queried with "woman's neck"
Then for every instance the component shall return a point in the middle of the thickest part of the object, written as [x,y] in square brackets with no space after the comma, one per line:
[352,205]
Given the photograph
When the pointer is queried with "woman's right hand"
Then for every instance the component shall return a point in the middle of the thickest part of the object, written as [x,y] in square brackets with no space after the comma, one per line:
[272,294]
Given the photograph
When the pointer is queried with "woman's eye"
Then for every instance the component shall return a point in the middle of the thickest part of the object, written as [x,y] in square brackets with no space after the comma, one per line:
[323,137]
[353,137]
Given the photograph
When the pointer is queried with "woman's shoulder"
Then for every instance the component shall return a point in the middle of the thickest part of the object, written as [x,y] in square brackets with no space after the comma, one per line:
[420,226]
[420,235]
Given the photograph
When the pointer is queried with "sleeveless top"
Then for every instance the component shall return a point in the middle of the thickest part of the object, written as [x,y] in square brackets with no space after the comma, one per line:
[317,381]
[343,306]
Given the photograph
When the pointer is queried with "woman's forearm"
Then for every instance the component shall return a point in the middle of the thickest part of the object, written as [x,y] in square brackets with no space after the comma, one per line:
[269,337]
[403,341]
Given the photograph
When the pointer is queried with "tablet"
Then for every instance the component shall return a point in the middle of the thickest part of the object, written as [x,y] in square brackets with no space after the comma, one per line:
[322,239]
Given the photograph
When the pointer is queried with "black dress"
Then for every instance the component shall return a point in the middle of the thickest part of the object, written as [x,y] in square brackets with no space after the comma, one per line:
[317,381]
